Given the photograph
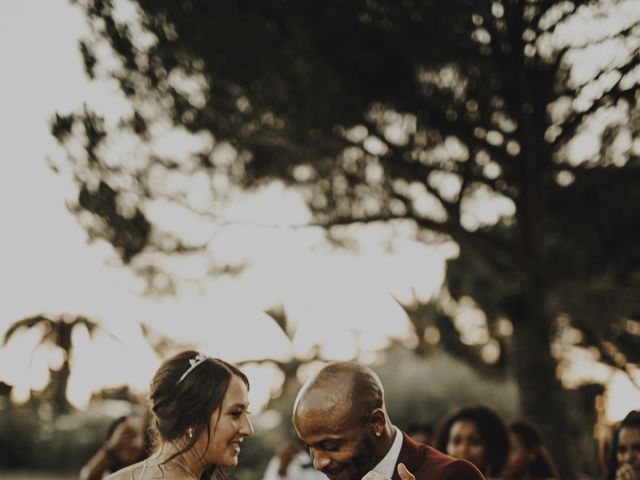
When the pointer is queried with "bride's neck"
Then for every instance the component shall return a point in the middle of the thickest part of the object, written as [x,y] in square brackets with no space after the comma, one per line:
[190,459]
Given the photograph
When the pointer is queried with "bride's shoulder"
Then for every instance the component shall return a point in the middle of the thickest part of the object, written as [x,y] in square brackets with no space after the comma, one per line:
[132,472]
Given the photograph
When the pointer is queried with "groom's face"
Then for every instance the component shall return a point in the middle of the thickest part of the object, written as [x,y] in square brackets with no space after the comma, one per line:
[340,448]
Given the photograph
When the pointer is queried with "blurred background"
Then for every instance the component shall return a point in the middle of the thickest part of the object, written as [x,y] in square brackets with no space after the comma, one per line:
[447,193]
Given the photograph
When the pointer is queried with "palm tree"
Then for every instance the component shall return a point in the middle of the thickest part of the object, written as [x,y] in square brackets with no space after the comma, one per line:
[57,331]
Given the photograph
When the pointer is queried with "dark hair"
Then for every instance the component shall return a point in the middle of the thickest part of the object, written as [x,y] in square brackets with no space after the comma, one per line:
[492,429]
[631,420]
[424,428]
[115,463]
[178,405]
[542,465]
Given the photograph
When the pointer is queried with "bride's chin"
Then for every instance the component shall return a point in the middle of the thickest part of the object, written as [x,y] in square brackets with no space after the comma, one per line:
[231,460]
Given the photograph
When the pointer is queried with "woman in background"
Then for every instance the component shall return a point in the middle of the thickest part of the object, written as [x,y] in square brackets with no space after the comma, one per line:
[529,459]
[127,442]
[478,434]
[624,453]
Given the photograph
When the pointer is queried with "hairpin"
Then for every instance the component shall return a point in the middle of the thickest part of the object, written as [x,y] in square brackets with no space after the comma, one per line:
[193,362]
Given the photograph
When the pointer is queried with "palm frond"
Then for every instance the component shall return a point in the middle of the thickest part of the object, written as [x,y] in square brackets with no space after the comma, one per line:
[93,327]
[27,323]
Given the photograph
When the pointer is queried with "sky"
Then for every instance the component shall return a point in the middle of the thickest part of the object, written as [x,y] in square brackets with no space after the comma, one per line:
[46,264]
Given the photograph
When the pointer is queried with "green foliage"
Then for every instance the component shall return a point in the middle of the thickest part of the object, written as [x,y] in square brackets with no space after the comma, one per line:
[30,437]
[16,436]
[391,97]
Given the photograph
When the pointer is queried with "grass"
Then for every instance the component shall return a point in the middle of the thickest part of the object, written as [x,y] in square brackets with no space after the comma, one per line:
[36,475]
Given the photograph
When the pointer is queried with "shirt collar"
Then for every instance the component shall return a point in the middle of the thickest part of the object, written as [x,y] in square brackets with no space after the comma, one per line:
[387,465]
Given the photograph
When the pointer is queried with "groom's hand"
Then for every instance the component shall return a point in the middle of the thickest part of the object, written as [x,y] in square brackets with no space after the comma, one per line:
[402,471]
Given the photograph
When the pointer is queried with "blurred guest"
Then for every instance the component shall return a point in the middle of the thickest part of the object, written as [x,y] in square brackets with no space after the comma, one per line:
[292,462]
[199,408]
[624,454]
[421,433]
[126,443]
[528,459]
[478,434]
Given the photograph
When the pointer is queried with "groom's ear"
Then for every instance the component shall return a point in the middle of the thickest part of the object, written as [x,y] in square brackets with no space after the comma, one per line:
[377,422]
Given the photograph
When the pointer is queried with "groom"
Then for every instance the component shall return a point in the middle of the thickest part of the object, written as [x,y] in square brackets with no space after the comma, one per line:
[340,415]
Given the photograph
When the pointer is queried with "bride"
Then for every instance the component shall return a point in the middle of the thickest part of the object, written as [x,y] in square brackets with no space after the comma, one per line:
[199,410]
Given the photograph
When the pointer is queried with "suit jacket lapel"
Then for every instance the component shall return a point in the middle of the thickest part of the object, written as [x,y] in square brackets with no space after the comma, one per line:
[409,455]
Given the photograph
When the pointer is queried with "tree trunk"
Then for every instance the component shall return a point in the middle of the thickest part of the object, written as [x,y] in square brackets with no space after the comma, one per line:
[542,398]
[59,379]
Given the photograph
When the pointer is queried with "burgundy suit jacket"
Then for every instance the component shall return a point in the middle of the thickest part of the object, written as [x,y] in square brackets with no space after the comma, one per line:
[427,463]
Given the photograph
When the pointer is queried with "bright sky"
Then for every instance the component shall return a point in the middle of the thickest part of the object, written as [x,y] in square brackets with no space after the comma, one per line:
[46,265]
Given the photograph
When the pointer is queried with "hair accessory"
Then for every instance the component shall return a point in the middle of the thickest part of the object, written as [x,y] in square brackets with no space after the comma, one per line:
[190,432]
[193,362]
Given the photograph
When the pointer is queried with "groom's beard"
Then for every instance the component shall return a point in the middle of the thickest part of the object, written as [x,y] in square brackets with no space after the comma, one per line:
[363,461]
[358,466]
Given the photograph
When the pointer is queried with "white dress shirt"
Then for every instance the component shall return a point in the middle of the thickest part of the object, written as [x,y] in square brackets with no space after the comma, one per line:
[387,465]
[300,468]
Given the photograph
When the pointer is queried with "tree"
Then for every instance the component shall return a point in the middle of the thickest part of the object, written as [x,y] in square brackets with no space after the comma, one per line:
[508,126]
[57,332]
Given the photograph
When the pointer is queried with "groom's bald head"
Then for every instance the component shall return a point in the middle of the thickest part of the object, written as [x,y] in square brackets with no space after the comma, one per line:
[345,388]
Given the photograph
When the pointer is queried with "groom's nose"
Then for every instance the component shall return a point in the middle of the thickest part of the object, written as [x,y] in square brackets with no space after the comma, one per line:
[320,461]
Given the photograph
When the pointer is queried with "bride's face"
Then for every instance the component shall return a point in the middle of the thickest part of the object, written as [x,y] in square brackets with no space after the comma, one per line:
[230,425]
